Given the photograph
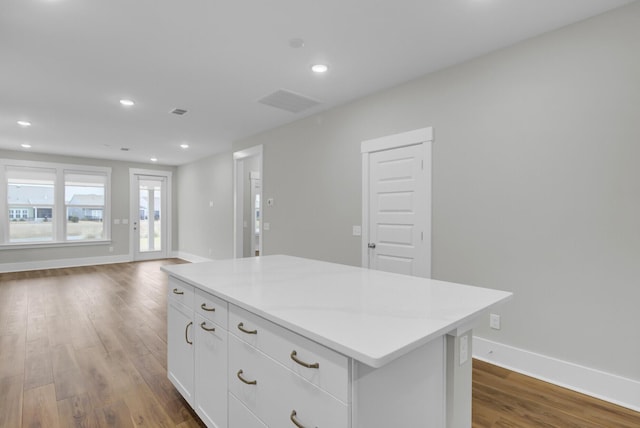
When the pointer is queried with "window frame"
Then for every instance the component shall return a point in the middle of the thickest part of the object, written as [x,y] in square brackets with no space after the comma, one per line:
[58,208]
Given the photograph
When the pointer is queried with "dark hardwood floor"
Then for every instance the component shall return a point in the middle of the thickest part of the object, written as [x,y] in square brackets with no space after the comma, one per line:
[86,347]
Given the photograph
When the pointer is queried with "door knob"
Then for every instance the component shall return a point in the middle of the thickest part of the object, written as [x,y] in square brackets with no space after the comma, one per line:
[371,245]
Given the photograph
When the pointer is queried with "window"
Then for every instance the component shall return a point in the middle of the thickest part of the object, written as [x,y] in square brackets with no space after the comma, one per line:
[84,201]
[30,198]
[45,203]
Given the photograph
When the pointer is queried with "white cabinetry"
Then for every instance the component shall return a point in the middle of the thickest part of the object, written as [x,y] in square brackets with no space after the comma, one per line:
[197,350]
[180,354]
[303,343]
[283,378]
[240,416]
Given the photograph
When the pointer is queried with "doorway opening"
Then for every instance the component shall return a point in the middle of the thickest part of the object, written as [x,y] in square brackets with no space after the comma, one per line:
[247,196]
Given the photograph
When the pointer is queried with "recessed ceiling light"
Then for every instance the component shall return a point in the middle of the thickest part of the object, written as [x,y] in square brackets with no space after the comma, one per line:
[26,146]
[154,159]
[319,68]
[184,146]
[24,123]
[127,103]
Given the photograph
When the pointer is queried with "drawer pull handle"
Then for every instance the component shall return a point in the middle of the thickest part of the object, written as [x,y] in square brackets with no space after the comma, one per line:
[244,330]
[295,420]
[248,382]
[186,333]
[302,363]
[175,291]
[205,328]
[204,307]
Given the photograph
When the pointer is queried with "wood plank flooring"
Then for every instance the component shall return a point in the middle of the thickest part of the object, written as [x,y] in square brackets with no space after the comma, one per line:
[86,347]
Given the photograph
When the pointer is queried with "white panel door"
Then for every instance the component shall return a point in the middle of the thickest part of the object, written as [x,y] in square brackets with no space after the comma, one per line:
[398,236]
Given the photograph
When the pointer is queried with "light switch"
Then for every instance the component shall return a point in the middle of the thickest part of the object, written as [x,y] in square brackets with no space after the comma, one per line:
[116,221]
[357,231]
[125,221]
[210,203]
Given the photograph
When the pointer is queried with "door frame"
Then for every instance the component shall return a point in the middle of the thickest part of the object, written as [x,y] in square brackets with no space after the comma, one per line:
[238,198]
[255,180]
[422,136]
[134,209]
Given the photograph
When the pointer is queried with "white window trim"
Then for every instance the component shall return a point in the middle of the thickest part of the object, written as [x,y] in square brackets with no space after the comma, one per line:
[59,209]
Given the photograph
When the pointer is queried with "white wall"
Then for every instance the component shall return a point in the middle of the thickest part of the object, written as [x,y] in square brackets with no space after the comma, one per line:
[536,184]
[206,231]
[119,210]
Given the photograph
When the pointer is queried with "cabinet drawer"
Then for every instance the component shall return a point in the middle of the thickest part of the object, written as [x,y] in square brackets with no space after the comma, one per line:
[180,291]
[278,391]
[241,417]
[211,308]
[332,373]
[210,372]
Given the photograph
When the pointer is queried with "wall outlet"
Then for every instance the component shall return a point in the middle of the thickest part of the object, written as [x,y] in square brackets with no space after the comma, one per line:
[357,231]
[111,249]
[494,321]
[266,226]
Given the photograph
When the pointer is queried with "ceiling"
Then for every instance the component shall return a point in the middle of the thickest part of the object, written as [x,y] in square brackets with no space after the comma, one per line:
[65,64]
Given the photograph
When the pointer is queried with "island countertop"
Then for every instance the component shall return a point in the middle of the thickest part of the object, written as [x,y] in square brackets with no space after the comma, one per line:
[369,315]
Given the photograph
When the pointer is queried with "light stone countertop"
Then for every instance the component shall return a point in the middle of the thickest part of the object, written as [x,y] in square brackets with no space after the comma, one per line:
[371,316]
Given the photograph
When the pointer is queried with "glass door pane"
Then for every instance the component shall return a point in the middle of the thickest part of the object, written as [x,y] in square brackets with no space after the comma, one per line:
[150,213]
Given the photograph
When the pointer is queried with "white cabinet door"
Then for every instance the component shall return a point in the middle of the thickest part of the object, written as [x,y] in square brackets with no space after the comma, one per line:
[180,334]
[211,369]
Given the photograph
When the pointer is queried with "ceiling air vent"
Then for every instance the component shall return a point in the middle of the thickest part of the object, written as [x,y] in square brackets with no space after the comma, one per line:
[289,101]
[178,111]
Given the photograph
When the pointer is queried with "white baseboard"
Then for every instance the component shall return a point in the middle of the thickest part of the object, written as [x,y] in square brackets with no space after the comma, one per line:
[191,257]
[605,386]
[63,263]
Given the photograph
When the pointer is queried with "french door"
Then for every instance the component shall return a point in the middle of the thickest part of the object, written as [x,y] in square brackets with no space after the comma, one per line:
[149,219]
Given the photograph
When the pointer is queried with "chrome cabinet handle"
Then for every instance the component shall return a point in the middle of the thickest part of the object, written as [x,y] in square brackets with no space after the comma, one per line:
[204,307]
[175,291]
[203,326]
[186,333]
[244,330]
[248,382]
[295,420]
[302,363]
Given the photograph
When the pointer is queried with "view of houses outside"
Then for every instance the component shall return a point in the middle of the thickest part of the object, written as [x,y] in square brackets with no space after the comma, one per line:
[30,211]
[31,208]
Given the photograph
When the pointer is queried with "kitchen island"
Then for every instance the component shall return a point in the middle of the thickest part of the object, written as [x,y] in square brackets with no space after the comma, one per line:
[279,341]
